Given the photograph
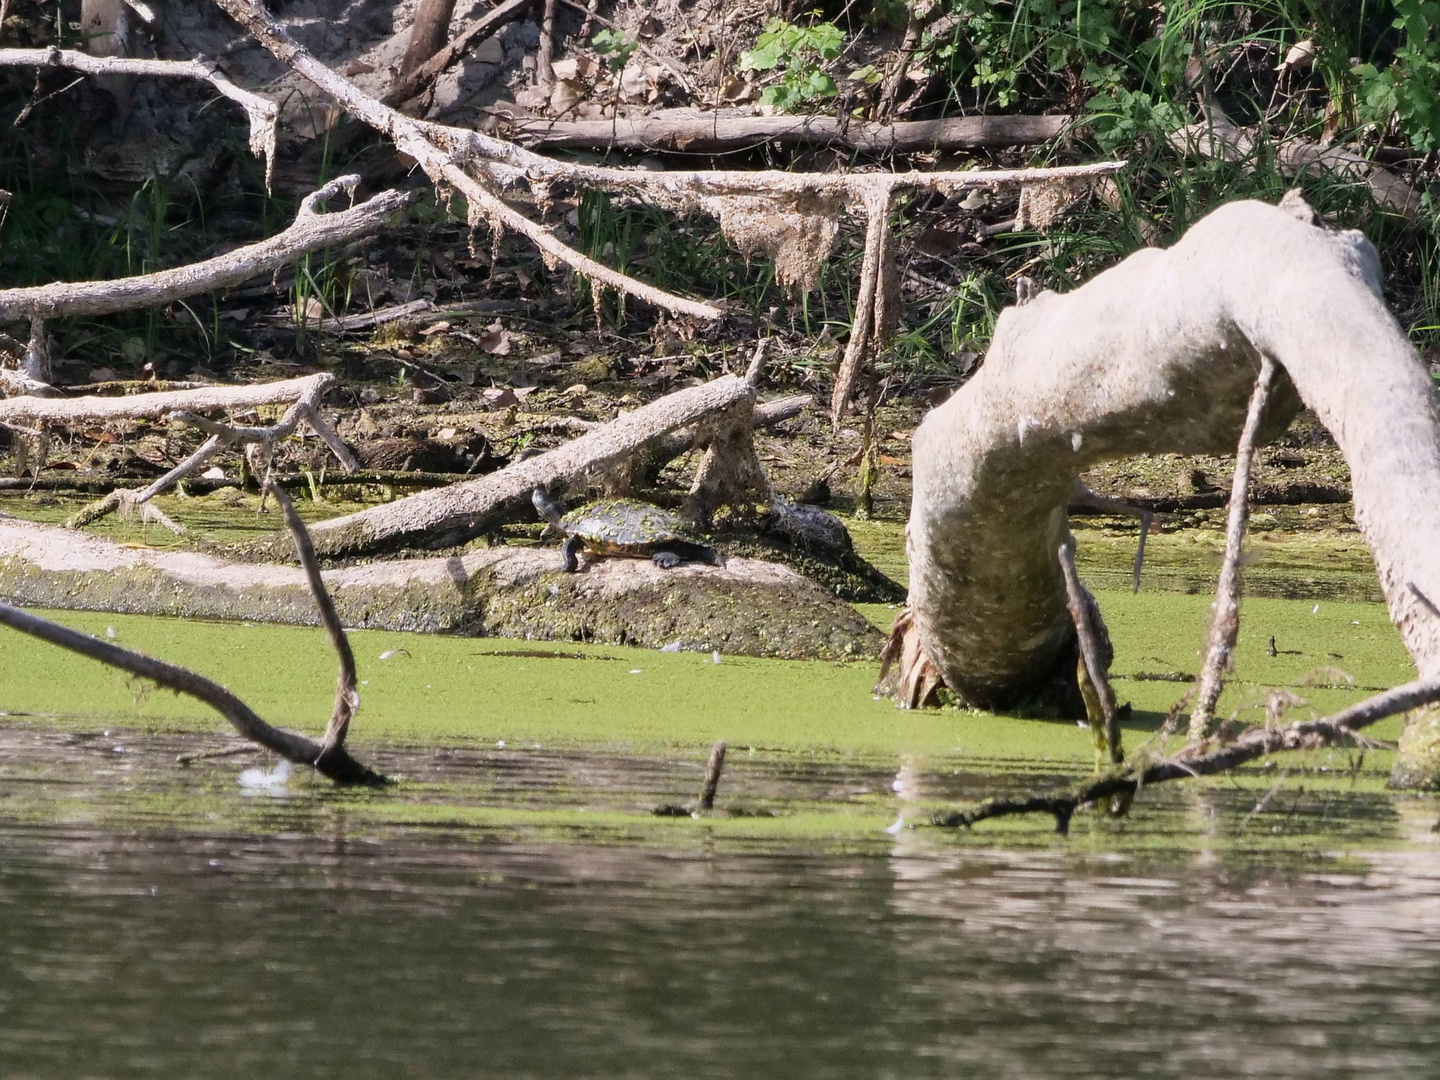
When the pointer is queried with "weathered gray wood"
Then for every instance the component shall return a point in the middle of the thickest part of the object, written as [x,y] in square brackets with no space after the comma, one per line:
[309,232]
[697,132]
[1159,354]
[447,516]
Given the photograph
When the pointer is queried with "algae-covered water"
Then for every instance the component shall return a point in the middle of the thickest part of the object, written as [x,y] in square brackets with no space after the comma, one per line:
[512,905]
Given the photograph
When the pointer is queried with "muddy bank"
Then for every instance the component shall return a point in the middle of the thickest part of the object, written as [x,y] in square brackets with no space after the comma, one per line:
[748,607]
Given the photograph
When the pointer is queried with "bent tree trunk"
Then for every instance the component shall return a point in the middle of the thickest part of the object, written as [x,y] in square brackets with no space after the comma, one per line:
[1158,355]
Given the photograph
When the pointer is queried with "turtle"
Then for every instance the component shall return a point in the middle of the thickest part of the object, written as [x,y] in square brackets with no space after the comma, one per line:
[622,527]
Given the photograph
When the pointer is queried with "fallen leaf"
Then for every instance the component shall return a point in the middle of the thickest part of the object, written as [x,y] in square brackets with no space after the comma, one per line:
[578,390]
[495,340]
[103,374]
[215,472]
[435,328]
[499,397]
[431,395]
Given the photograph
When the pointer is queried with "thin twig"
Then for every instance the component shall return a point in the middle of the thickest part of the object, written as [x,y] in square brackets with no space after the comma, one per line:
[1225,622]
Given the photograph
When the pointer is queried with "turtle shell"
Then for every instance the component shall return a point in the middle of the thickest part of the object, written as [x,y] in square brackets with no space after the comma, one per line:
[622,526]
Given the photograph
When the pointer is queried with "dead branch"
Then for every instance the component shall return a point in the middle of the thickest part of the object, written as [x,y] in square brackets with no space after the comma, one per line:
[1102,711]
[694,131]
[1225,612]
[867,331]
[413,82]
[347,694]
[545,53]
[410,138]
[310,231]
[337,763]
[442,518]
[70,411]
[259,443]
[1196,760]
[260,112]
[713,768]
[1222,139]
[1085,498]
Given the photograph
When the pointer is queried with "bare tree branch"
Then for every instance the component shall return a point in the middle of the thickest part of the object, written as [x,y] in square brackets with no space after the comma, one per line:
[347,695]
[1225,612]
[1091,656]
[260,112]
[1195,761]
[410,138]
[337,764]
[309,232]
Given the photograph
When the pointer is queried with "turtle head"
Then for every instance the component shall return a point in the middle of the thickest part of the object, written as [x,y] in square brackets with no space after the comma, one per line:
[546,505]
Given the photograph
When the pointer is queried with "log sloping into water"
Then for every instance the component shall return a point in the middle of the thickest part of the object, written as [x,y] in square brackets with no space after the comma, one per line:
[1159,355]
[747,607]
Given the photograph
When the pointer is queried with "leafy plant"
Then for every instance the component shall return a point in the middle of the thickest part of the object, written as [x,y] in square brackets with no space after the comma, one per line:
[1409,89]
[799,52]
[615,48]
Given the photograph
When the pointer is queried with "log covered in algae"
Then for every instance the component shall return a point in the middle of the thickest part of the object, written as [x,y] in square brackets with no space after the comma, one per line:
[748,607]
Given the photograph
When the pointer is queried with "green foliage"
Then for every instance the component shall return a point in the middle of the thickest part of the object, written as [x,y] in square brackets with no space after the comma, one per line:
[1409,89]
[799,51]
[614,47]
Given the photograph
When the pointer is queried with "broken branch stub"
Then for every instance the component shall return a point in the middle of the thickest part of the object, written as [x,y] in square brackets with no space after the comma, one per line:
[1159,354]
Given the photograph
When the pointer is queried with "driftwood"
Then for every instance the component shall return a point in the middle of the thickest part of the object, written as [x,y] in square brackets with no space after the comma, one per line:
[1225,612]
[696,132]
[1220,138]
[260,112]
[483,203]
[449,516]
[310,231]
[1202,759]
[88,410]
[1159,354]
[259,443]
[1095,657]
[747,607]
[328,757]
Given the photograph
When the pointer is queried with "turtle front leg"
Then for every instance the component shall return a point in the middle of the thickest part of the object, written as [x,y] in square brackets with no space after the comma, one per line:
[569,552]
[666,560]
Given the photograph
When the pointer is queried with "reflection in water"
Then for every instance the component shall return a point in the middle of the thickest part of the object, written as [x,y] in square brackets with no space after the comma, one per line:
[419,955]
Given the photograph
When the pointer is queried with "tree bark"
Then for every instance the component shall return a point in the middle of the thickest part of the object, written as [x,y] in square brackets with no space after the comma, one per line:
[1157,355]
[696,132]
[428,33]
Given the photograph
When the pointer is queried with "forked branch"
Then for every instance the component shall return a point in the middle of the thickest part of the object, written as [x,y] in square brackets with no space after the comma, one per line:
[1194,760]
[328,757]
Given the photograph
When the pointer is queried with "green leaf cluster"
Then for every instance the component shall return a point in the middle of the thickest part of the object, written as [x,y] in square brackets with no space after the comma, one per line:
[799,52]
[1409,88]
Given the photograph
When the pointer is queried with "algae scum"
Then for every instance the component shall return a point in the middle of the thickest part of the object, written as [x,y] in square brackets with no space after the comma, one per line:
[513,906]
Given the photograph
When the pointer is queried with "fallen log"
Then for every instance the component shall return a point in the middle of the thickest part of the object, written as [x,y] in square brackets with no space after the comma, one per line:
[99,410]
[1159,354]
[453,515]
[693,131]
[748,607]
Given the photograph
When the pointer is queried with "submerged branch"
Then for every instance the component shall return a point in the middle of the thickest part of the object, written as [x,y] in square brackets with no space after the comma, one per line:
[1196,760]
